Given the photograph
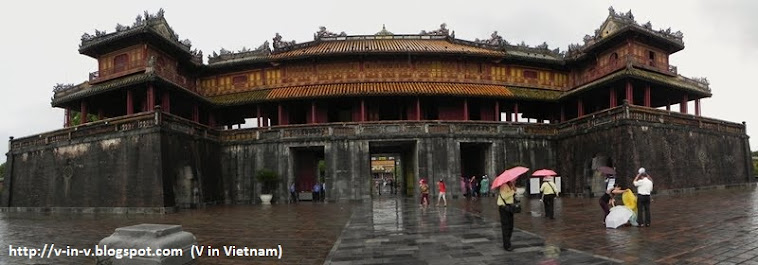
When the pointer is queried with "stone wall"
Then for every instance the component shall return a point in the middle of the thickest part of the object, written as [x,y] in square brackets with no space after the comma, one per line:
[154,161]
[677,157]
[348,173]
[120,169]
[191,170]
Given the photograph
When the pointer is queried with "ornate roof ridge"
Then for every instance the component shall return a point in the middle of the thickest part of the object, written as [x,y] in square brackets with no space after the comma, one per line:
[623,20]
[143,23]
[263,51]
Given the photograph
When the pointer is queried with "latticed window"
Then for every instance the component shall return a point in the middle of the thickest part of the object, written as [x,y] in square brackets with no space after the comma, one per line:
[239,81]
[120,62]
[436,69]
[530,74]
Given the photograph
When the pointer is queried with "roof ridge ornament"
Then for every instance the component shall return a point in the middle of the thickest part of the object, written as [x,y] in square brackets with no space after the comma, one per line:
[495,40]
[323,33]
[442,31]
[280,44]
[384,32]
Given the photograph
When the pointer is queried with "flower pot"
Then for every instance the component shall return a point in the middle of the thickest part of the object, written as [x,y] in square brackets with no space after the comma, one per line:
[266,198]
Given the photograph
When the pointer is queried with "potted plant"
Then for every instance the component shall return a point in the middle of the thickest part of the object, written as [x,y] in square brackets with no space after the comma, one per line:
[268,179]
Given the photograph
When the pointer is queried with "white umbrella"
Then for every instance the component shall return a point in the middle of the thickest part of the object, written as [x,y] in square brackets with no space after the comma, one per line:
[619,215]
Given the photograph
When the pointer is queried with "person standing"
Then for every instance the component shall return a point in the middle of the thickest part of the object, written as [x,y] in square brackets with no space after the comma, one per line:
[549,192]
[505,203]
[293,193]
[644,184]
[464,191]
[484,186]
[316,192]
[424,193]
[441,188]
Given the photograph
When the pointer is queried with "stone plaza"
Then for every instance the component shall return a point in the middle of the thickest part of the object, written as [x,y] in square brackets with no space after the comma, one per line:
[717,226]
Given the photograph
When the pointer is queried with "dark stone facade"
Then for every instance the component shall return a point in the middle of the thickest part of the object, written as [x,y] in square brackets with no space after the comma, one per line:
[160,161]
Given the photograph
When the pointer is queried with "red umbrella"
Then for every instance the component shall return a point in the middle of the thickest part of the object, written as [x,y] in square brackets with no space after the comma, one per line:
[544,173]
[508,175]
[607,170]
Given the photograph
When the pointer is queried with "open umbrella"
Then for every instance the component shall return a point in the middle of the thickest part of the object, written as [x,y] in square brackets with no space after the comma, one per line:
[544,173]
[508,175]
[607,170]
[619,215]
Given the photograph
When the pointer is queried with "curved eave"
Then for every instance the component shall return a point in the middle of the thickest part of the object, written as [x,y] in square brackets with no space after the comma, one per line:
[116,84]
[117,40]
[667,44]
[656,78]
[384,89]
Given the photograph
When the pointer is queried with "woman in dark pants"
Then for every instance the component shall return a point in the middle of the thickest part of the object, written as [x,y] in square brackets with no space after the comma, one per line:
[505,202]
[605,200]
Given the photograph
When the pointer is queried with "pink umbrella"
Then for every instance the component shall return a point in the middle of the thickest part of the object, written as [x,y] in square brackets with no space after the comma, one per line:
[544,173]
[508,175]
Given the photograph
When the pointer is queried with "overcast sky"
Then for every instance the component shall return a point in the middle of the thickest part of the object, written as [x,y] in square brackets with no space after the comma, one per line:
[40,40]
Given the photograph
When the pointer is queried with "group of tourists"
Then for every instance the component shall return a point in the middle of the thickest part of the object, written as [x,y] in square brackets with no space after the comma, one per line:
[639,205]
[475,186]
[318,192]
[507,203]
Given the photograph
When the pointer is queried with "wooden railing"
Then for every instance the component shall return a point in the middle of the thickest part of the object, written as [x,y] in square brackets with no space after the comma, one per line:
[113,72]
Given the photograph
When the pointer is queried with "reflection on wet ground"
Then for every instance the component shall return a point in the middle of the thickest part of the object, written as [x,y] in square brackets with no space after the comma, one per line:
[306,231]
[399,231]
[705,227]
[708,227]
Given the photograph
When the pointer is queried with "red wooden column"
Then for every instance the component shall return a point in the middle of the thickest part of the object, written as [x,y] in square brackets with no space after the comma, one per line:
[580,107]
[313,111]
[668,105]
[563,113]
[211,119]
[613,102]
[83,113]
[497,110]
[129,102]
[258,115]
[515,112]
[629,92]
[279,115]
[66,118]
[99,114]
[418,109]
[363,109]
[683,104]
[647,96]
[196,113]
[150,97]
[465,109]
[697,107]
[166,102]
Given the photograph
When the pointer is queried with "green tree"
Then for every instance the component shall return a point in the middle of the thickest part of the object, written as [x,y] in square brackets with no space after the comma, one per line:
[268,179]
[76,118]
[2,171]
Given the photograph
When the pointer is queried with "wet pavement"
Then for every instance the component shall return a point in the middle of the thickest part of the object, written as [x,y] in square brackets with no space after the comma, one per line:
[399,231]
[705,227]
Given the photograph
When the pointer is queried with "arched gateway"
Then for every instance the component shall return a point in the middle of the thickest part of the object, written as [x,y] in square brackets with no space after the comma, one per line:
[156,127]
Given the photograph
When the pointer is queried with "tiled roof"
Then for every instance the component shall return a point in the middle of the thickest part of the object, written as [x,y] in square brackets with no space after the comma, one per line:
[436,46]
[385,89]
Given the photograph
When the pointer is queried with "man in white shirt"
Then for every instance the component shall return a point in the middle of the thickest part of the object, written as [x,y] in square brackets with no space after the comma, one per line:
[644,184]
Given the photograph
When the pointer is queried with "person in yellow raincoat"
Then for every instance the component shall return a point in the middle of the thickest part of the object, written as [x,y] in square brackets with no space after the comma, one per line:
[630,201]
